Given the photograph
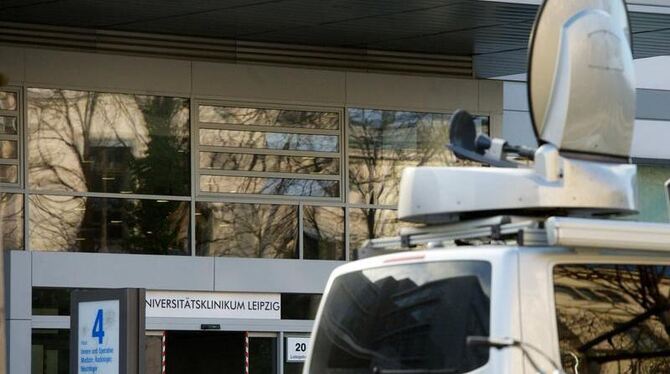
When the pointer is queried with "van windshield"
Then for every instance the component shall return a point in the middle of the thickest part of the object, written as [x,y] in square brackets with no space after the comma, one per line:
[410,318]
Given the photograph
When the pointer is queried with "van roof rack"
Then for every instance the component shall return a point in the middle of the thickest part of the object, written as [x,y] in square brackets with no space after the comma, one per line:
[528,231]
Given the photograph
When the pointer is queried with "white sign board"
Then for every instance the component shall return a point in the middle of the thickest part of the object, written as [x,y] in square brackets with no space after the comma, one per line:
[98,345]
[213,305]
[296,349]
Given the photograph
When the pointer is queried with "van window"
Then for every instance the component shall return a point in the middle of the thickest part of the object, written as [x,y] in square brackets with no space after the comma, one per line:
[410,318]
[613,318]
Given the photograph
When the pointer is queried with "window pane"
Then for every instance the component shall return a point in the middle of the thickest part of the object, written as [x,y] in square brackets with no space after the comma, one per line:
[9,149]
[323,233]
[7,100]
[613,318]
[270,117]
[367,224]
[268,140]
[410,318]
[247,230]
[271,163]
[11,214]
[270,186]
[9,173]
[262,355]
[102,142]
[50,351]
[383,143]
[8,125]
[93,224]
[51,301]
[299,305]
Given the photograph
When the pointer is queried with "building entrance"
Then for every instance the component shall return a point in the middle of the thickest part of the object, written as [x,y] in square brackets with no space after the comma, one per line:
[205,352]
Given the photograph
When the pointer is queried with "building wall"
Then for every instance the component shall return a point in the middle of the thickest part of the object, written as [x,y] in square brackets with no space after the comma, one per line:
[650,148]
[203,82]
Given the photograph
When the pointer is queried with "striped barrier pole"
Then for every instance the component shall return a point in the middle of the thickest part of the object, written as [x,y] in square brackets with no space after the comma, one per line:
[163,355]
[246,352]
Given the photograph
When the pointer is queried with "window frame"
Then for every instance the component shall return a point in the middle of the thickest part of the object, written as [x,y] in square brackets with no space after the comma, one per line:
[596,260]
[18,137]
[196,125]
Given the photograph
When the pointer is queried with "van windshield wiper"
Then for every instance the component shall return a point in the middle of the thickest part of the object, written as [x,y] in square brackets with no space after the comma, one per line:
[378,370]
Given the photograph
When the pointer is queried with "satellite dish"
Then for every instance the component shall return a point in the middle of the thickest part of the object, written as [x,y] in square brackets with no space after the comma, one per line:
[462,130]
[467,144]
[581,86]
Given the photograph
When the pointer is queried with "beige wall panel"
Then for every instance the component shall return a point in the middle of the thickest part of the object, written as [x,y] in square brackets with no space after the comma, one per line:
[410,92]
[107,72]
[268,83]
[490,96]
[496,125]
[11,64]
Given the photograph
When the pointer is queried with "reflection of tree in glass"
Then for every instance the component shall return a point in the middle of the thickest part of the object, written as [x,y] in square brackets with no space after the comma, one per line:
[614,318]
[248,139]
[247,230]
[383,143]
[323,233]
[163,170]
[96,142]
[11,221]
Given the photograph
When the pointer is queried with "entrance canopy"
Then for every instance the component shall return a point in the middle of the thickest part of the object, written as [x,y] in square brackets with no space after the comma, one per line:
[494,33]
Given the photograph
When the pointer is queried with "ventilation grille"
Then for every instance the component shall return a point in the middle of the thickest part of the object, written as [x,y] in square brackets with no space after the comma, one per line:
[205,49]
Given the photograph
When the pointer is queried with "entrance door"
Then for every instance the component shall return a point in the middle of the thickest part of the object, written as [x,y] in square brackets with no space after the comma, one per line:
[220,352]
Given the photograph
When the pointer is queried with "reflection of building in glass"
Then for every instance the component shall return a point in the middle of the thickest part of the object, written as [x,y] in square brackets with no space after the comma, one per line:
[407,317]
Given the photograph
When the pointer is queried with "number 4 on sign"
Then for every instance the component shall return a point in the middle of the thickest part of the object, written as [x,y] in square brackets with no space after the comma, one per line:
[98,330]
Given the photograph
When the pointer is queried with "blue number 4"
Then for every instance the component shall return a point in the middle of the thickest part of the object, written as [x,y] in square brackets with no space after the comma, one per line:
[98,330]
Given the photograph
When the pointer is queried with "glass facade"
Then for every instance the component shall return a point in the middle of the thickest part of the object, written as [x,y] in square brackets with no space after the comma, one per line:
[145,174]
[84,141]
[654,206]
[110,225]
[382,143]
[247,230]
[10,136]
[11,221]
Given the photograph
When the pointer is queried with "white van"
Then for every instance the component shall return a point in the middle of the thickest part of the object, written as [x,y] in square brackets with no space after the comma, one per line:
[589,309]
[525,266]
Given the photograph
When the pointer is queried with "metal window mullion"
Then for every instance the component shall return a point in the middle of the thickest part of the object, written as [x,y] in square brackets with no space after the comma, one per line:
[301,226]
[259,128]
[266,151]
[272,105]
[24,167]
[266,174]
[109,195]
[271,200]
[347,257]
[280,353]
[195,179]
[209,196]
[11,161]
[11,137]
[345,181]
